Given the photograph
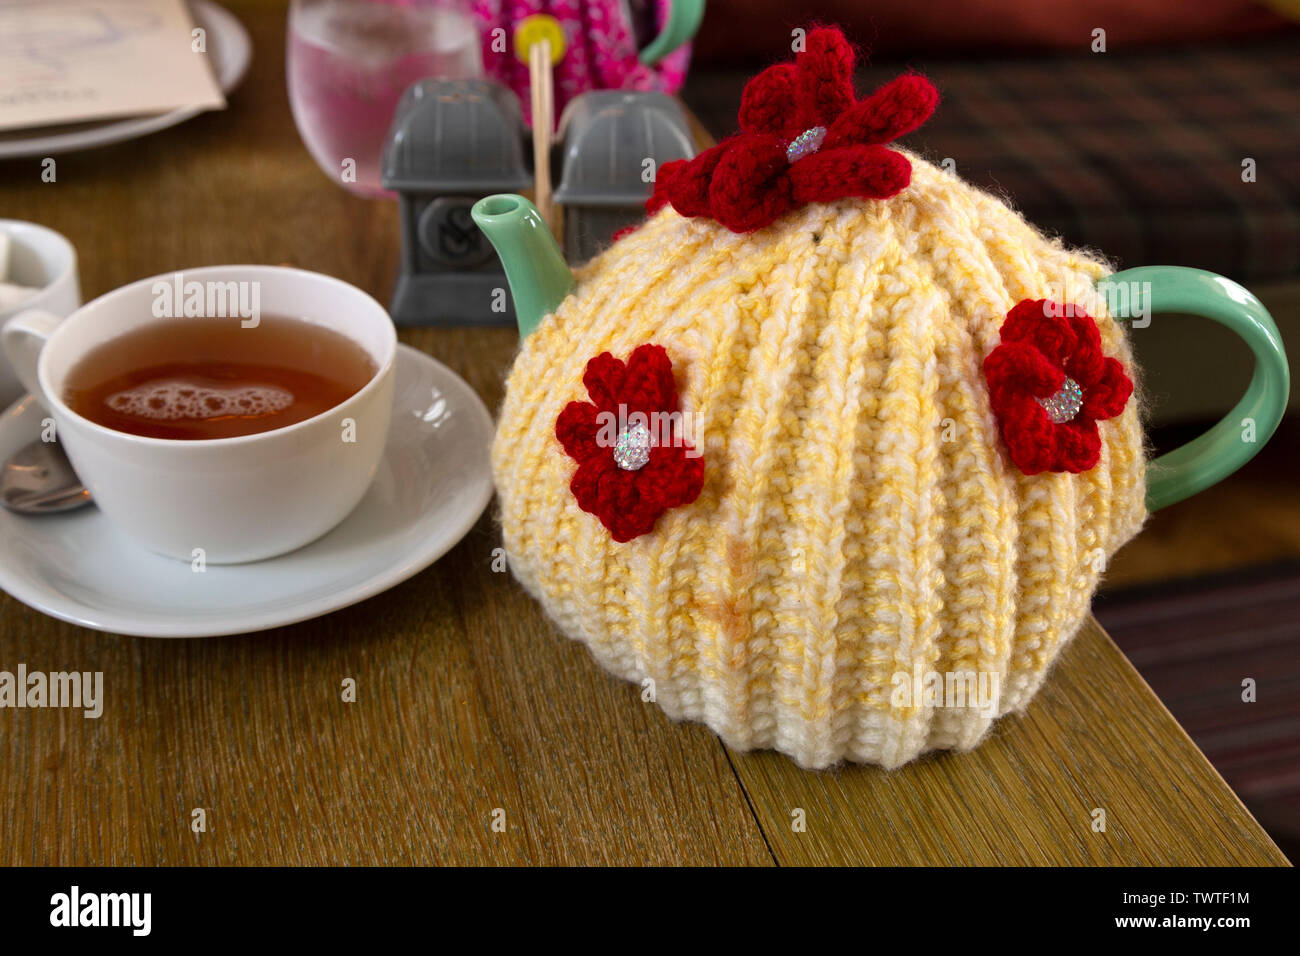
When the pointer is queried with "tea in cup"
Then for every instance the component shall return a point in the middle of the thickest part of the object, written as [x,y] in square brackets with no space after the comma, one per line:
[230,413]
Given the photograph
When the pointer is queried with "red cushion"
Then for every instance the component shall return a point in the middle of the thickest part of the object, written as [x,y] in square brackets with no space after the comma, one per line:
[906,27]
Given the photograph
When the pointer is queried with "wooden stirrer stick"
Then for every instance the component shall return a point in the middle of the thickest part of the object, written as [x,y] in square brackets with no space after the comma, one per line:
[543,100]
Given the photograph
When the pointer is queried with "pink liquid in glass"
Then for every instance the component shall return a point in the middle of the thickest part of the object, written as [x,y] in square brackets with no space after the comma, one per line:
[349,62]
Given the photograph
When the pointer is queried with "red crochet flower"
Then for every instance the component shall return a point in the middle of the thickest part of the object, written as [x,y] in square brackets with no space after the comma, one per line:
[1049,385]
[632,462]
[804,138]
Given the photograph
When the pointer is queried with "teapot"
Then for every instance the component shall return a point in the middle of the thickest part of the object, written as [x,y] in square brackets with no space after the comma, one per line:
[594,44]
[831,452]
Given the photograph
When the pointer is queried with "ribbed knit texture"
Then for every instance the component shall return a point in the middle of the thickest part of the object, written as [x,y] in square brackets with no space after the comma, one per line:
[840,539]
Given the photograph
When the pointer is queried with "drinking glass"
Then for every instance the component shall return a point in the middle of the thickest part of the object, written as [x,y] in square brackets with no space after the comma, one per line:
[349,62]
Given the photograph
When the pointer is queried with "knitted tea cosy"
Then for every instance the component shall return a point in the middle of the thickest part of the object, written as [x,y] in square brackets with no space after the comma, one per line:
[897,449]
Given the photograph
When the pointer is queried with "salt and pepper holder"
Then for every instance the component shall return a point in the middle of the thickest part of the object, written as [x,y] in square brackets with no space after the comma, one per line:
[453,142]
[612,144]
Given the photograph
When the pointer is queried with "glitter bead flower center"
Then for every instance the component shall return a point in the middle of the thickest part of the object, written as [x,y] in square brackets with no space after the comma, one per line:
[1062,406]
[632,450]
[805,144]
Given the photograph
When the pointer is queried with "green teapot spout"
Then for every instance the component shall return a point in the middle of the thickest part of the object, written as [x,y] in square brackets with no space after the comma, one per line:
[539,279]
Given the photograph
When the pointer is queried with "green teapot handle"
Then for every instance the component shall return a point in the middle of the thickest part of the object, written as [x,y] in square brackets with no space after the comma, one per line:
[683,20]
[1235,439]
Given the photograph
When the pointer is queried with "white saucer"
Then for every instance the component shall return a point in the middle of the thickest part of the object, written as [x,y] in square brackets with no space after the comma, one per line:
[231,51]
[433,483]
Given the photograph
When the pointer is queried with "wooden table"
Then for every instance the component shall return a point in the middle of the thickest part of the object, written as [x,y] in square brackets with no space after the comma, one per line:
[468,701]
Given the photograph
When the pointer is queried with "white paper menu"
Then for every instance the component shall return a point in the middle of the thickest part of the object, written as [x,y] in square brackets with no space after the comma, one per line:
[67,60]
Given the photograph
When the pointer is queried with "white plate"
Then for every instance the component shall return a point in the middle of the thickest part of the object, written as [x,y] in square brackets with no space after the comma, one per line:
[231,51]
[433,483]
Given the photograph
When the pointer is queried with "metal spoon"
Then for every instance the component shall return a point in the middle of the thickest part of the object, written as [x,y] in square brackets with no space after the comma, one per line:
[38,479]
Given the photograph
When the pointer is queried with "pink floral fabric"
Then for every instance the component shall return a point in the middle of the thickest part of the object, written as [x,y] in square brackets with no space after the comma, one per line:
[600,54]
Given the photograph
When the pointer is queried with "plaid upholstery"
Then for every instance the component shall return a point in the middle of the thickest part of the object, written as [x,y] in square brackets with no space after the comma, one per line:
[1194,640]
[1135,154]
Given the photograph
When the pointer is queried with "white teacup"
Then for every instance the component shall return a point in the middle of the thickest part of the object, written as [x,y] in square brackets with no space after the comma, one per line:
[41,259]
[224,500]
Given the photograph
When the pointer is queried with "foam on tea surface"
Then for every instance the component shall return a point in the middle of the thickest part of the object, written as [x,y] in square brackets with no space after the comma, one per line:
[181,398]
[200,378]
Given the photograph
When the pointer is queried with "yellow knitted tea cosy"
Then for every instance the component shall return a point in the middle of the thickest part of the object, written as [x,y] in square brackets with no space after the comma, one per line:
[859,528]
[865,574]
